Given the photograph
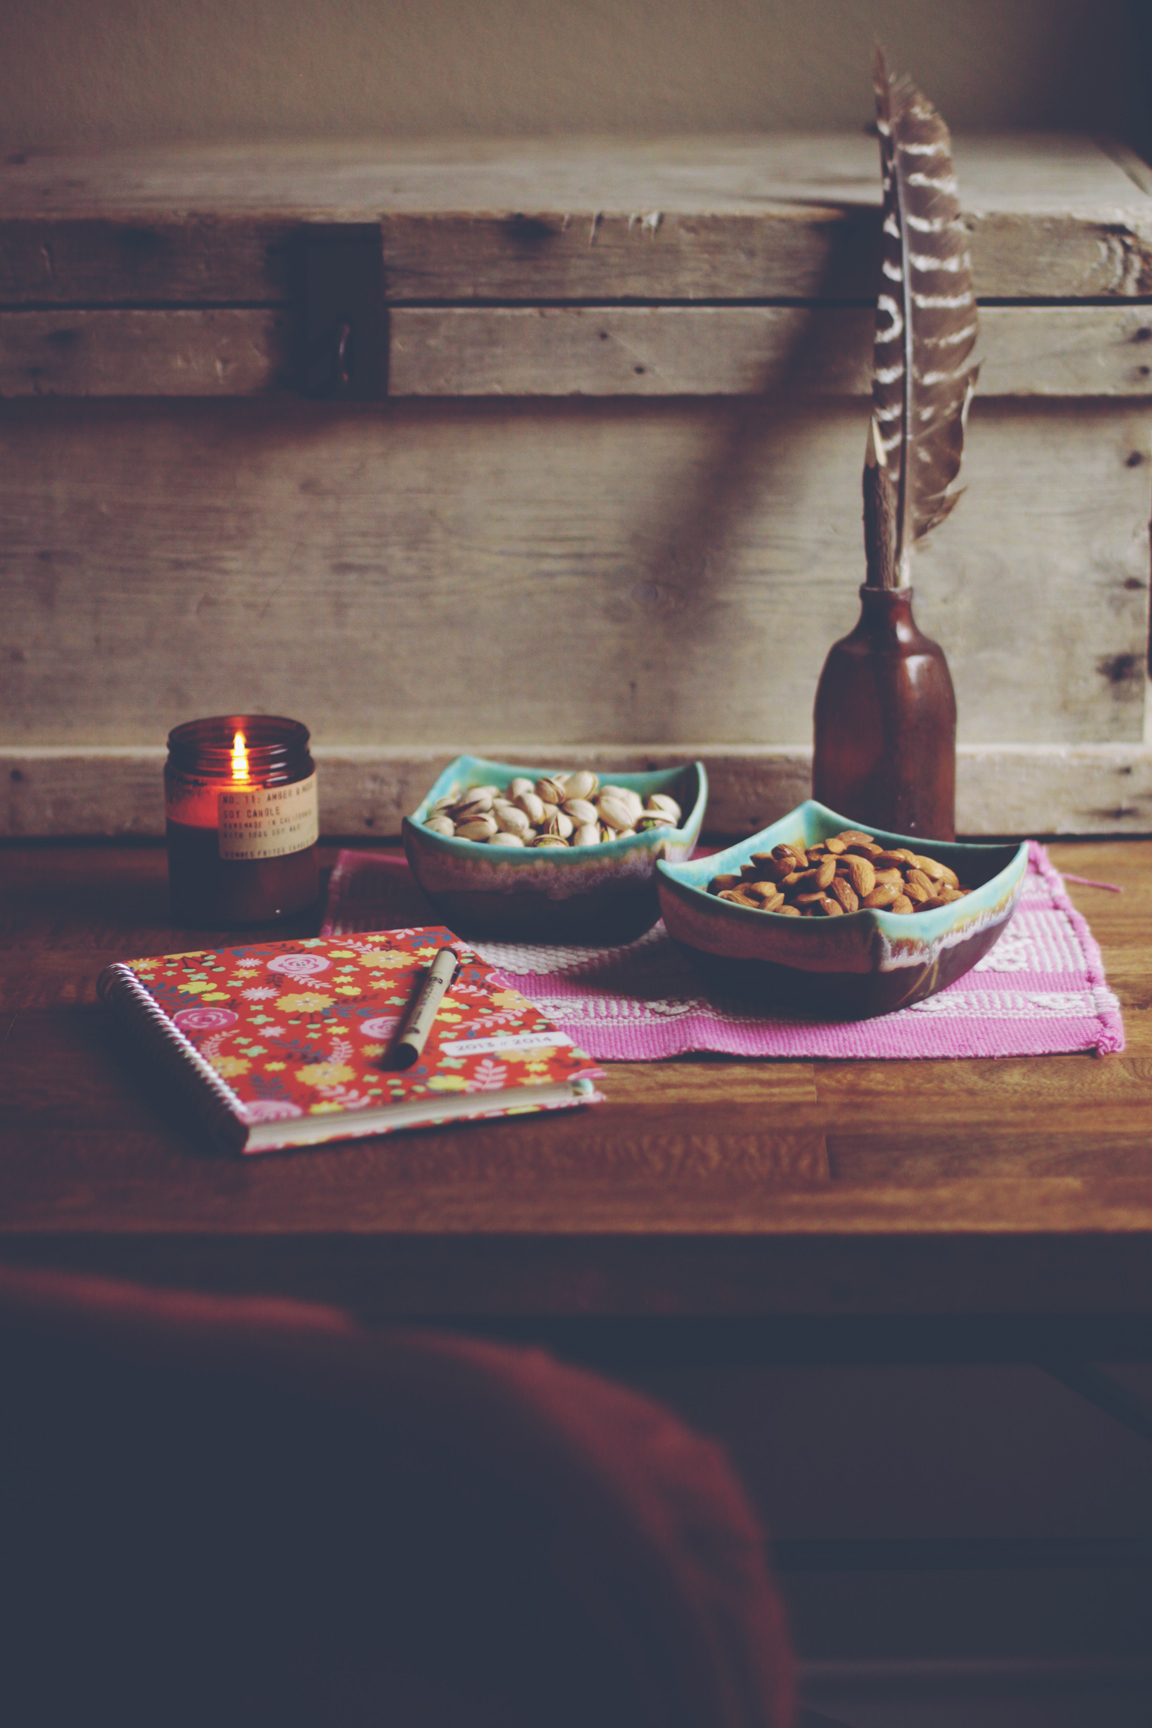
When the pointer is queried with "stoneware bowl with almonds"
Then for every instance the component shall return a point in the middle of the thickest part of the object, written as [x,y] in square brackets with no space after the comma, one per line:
[828,916]
[551,855]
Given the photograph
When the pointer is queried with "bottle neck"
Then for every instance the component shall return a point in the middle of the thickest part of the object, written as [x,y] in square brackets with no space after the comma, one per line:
[886,614]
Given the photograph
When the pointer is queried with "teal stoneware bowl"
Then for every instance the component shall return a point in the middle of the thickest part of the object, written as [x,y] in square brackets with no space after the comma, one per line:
[598,894]
[849,968]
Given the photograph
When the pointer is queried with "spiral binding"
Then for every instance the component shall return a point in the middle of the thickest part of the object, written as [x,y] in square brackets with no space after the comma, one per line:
[221,1110]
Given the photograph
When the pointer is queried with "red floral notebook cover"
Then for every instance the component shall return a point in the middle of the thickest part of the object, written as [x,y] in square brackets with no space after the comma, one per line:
[282,1044]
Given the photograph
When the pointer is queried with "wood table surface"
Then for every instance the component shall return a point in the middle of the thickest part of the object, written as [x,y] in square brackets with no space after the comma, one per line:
[1013,1195]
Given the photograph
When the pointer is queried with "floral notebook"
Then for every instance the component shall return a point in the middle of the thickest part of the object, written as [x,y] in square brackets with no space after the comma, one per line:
[283,1044]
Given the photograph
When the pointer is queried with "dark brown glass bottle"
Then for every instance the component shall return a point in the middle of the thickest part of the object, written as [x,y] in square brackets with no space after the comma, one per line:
[886,724]
[240,794]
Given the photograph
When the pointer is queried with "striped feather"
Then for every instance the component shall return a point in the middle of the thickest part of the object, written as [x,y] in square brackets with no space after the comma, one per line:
[923,379]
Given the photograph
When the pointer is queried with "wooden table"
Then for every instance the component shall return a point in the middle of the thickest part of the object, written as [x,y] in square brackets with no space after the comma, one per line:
[924,1208]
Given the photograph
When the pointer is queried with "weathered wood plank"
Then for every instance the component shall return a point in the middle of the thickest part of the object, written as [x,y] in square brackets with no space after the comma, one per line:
[594,573]
[365,790]
[735,351]
[1103,351]
[713,218]
[222,351]
[1016,172]
[175,257]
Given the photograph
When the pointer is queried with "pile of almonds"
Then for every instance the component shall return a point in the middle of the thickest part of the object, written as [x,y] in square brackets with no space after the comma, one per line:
[557,810]
[836,876]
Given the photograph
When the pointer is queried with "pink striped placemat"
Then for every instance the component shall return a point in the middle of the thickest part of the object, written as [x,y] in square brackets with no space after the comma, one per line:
[1041,990]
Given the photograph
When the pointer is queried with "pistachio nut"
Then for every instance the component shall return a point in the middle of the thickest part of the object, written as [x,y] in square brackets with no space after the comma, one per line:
[474,805]
[632,800]
[510,820]
[588,834]
[549,840]
[549,790]
[659,803]
[502,838]
[532,807]
[440,824]
[614,809]
[478,829]
[580,810]
[582,785]
[520,784]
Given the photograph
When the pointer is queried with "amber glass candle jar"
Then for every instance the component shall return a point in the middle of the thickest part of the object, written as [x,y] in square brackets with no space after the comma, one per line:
[240,799]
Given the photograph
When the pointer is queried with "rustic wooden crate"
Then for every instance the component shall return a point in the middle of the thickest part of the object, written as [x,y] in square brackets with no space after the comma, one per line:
[608,506]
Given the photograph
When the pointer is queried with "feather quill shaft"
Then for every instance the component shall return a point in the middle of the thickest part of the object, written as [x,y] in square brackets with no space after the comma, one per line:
[926,324]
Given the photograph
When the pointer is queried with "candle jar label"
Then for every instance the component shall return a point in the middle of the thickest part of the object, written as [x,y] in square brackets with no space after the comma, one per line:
[268,821]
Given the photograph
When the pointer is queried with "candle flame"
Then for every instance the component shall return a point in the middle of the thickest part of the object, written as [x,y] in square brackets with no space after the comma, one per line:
[239,758]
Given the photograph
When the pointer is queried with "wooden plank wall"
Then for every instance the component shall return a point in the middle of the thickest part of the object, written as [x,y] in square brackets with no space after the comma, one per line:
[417,577]
[610,509]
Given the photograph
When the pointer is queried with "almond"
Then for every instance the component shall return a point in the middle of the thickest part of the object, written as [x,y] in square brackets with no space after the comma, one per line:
[719,883]
[835,847]
[843,891]
[920,879]
[892,874]
[861,875]
[825,872]
[889,860]
[931,869]
[882,895]
[901,904]
[917,892]
[763,891]
[830,908]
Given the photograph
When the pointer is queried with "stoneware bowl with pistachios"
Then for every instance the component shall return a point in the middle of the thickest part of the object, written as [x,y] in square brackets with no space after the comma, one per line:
[824,915]
[551,855]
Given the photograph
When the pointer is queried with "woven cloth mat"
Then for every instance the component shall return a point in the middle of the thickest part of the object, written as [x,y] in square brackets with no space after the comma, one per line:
[1039,992]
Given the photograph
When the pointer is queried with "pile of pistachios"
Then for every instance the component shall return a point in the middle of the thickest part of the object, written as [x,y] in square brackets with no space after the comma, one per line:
[561,809]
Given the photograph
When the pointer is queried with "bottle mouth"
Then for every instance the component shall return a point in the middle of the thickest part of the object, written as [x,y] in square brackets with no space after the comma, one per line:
[270,742]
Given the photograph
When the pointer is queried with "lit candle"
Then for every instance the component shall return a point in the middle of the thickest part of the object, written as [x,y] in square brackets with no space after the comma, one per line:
[240,800]
[239,757]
